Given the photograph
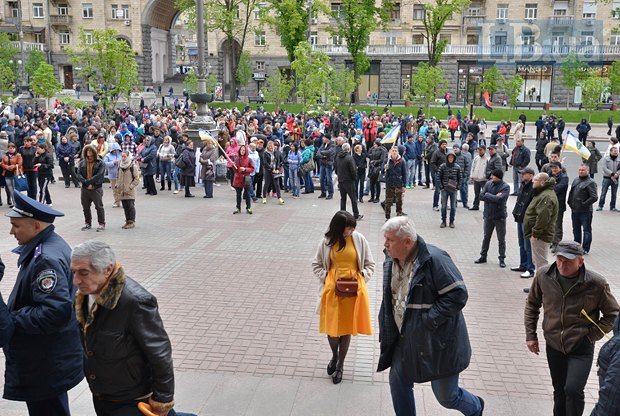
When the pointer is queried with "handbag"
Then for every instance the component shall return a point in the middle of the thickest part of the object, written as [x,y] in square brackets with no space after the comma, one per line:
[144,165]
[247,181]
[20,183]
[180,163]
[346,283]
[278,174]
[309,166]
[451,185]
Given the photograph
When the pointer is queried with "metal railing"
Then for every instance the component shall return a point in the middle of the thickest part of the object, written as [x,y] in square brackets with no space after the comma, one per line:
[30,46]
[61,19]
[561,20]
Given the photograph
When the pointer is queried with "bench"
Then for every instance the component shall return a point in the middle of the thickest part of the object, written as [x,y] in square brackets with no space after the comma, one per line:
[604,106]
[258,100]
[530,104]
[390,102]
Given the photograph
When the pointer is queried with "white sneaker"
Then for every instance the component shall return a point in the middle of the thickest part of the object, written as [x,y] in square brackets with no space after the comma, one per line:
[526,274]
[115,205]
[176,191]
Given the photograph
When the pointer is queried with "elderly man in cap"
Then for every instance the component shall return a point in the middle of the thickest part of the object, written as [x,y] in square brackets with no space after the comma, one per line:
[43,353]
[579,309]
[526,193]
[494,195]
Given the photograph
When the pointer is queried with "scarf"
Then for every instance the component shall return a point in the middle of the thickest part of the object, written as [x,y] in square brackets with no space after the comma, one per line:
[89,168]
[127,163]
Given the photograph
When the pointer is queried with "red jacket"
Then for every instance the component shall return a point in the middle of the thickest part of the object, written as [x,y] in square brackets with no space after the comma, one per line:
[246,162]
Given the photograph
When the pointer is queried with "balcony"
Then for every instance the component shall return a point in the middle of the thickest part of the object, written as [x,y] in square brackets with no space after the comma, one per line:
[559,21]
[30,46]
[60,19]
[474,21]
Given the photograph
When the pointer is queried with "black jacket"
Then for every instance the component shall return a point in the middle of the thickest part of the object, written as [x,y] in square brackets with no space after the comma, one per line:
[127,352]
[327,154]
[98,172]
[494,205]
[28,155]
[582,194]
[526,193]
[345,167]
[396,173]
[438,158]
[520,157]
[495,162]
[561,188]
[608,376]
[47,165]
[360,162]
[449,171]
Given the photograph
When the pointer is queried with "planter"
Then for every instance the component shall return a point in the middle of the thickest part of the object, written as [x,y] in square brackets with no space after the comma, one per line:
[201,98]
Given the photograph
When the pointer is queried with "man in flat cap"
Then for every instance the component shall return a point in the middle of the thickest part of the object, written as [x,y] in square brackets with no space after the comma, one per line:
[43,354]
[579,310]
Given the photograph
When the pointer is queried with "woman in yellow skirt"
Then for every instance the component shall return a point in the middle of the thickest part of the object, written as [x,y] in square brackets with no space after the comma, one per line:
[343,254]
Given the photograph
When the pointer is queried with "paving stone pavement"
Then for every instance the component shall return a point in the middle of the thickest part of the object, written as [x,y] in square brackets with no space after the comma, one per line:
[238,299]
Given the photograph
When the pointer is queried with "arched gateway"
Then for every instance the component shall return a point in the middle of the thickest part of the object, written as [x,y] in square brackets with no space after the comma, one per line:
[158,46]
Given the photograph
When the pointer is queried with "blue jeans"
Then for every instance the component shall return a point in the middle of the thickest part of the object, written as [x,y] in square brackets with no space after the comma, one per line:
[417,167]
[327,180]
[308,184]
[516,179]
[525,250]
[252,188]
[614,190]
[444,205]
[446,391]
[176,175]
[582,220]
[287,178]
[410,172]
[165,168]
[436,186]
[464,190]
[294,178]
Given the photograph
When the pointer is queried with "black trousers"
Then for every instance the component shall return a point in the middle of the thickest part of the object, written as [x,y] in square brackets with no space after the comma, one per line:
[92,196]
[31,177]
[246,196]
[569,375]
[129,206]
[500,228]
[478,185]
[348,189]
[149,182]
[44,192]
[56,406]
[68,174]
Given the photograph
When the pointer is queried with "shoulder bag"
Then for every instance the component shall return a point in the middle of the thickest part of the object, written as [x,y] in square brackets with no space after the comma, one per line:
[346,283]
[20,183]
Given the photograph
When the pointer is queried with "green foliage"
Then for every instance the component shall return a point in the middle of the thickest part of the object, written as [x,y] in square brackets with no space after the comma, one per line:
[279,88]
[573,73]
[7,77]
[492,81]
[435,17]
[591,90]
[244,69]
[7,50]
[341,84]
[35,58]
[211,83]
[430,83]
[108,64]
[190,83]
[614,77]
[512,88]
[44,82]
[312,71]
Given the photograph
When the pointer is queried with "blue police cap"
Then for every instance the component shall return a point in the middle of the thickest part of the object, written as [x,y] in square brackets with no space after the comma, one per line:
[26,207]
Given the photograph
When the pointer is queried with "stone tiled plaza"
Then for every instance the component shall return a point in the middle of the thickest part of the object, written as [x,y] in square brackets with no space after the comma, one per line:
[238,299]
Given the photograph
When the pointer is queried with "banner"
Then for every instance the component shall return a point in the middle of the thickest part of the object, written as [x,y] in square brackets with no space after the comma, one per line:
[573,145]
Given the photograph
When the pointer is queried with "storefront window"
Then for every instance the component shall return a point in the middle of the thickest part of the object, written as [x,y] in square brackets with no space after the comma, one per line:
[469,78]
[369,81]
[537,81]
[406,72]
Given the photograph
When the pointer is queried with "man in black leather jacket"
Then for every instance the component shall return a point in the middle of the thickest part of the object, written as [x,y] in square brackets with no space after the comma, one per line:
[127,352]
[581,199]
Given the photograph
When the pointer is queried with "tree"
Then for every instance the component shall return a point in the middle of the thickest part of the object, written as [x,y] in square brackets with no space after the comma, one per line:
[244,69]
[312,71]
[341,84]
[355,21]
[614,78]
[592,88]
[492,81]
[7,78]
[233,18]
[35,58]
[435,17]
[512,89]
[279,88]
[44,82]
[289,19]
[573,72]
[7,50]
[430,83]
[190,83]
[107,63]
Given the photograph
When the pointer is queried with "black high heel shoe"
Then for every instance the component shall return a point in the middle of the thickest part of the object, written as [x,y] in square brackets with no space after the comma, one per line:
[337,377]
[331,367]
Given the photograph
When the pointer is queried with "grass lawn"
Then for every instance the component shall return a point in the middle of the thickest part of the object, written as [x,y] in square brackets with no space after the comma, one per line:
[498,114]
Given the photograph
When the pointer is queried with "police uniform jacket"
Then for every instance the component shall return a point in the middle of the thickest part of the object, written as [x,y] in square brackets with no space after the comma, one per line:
[44,355]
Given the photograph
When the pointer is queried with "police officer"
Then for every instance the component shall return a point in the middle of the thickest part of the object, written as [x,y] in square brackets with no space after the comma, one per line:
[43,355]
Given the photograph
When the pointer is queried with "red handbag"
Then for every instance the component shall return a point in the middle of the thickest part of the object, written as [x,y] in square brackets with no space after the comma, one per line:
[346,283]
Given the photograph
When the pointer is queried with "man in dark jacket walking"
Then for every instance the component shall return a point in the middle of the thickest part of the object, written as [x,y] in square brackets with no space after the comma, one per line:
[581,199]
[395,178]
[423,298]
[449,177]
[327,154]
[521,156]
[561,189]
[127,352]
[494,194]
[526,193]
[608,374]
[90,174]
[347,175]
[437,159]
[43,353]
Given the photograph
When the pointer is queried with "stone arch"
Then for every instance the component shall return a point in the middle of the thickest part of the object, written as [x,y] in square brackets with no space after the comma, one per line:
[158,46]
[125,39]
[225,49]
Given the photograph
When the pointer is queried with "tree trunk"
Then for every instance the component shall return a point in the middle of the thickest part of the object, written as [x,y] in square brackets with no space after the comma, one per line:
[356,75]
[233,70]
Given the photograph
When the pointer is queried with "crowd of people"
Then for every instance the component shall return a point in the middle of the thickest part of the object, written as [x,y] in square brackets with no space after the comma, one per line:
[267,156]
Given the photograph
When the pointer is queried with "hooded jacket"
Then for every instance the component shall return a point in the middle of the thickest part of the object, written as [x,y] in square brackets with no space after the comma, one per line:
[345,167]
[113,156]
[449,171]
[148,155]
[98,170]
[541,213]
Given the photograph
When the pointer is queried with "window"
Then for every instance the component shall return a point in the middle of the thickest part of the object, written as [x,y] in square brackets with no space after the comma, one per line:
[615,9]
[89,37]
[390,40]
[259,38]
[336,40]
[502,12]
[37,11]
[500,38]
[87,10]
[418,12]
[260,65]
[14,7]
[473,39]
[120,13]
[587,38]
[615,40]
[531,11]
[395,14]
[65,38]
[557,38]
[445,37]
[589,10]
[474,10]
[39,38]
[62,10]
[257,11]
[418,39]
[337,10]
[560,8]
[314,38]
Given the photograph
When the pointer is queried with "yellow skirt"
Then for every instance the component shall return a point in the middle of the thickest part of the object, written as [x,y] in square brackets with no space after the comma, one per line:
[344,315]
